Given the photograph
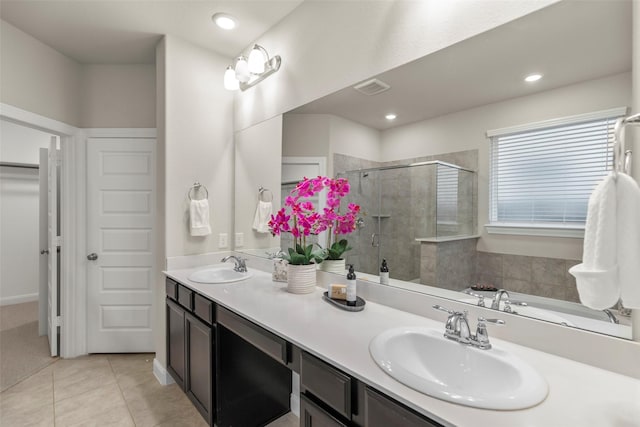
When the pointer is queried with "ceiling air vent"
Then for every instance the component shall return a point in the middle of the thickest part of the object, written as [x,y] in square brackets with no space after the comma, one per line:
[372,87]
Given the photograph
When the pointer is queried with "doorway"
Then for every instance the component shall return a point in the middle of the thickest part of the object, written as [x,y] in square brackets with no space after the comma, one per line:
[27,338]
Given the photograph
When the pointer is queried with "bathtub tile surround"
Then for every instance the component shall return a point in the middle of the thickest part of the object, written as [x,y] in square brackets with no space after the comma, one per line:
[540,276]
[449,264]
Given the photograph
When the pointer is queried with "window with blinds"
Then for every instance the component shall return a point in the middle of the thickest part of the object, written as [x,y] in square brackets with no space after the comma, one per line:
[545,175]
[446,195]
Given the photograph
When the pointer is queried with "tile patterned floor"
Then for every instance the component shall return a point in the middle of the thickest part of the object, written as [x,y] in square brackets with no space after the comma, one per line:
[101,390]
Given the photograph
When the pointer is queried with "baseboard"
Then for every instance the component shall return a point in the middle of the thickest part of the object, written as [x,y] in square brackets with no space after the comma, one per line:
[19,299]
[161,374]
[294,401]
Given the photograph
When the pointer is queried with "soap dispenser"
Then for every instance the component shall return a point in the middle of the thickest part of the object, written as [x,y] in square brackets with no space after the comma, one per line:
[384,273]
[351,287]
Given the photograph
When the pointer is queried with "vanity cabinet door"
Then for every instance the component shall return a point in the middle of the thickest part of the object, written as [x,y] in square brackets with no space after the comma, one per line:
[312,415]
[199,379]
[176,342]
[380,411]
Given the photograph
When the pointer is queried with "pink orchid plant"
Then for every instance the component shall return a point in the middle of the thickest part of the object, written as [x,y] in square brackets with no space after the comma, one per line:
[300,218]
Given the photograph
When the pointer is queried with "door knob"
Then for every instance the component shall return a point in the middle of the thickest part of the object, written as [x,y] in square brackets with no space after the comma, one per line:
[44,251]
[92,257]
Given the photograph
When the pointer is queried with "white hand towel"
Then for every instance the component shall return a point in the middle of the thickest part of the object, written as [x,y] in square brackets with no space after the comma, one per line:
[262,217]
[628,247]
[597,276]
[199,217]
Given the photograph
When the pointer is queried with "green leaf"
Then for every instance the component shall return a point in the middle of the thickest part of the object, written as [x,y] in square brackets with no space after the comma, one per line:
[298,259]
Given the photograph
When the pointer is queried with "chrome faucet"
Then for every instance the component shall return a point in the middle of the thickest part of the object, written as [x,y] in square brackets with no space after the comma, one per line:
[479,296]
[457,329]
[500,293]
[240,267]
[611,316]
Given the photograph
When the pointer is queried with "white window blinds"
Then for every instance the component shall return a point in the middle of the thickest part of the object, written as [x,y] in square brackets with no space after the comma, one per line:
[544,176]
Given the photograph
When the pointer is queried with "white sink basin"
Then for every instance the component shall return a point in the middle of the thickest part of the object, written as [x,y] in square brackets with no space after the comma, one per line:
[424,360]
[218,273]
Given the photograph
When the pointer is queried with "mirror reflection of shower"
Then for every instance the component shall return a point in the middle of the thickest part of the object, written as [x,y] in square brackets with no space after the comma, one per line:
[403,203]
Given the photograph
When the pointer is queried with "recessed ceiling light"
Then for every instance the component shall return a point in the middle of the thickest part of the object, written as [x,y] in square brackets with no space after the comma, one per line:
[532,78]
[224,21]
[390,116]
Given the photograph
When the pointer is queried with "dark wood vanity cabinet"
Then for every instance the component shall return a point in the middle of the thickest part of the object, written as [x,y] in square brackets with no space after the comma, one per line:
[237,373]
[191,346]
[381,411]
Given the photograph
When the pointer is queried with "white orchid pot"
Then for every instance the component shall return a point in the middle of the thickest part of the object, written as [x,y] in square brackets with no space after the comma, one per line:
[301,279]
[336,266]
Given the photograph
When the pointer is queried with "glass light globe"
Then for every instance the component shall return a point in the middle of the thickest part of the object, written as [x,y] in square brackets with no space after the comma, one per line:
[230,81]
[242,70]
[256,60]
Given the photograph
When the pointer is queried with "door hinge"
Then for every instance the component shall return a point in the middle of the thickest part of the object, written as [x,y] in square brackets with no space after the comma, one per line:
[57,241]
[57,321]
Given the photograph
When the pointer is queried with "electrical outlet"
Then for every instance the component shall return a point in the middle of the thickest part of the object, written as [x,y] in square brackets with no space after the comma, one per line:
[223,240]
[239,240]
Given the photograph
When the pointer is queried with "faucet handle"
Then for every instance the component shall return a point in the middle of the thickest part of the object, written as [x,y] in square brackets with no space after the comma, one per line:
[479,296]
[482,336]
[441,308]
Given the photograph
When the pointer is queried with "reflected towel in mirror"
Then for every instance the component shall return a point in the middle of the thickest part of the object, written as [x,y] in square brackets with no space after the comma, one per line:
[610,267]
[262,217]
[199,218]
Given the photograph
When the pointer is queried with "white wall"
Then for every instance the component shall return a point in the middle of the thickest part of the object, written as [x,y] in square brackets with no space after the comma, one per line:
[121,96]
[465,130]
[19,220]
[326,134]
[326,46]
[37,78]
[255,148]
[198,144]
[20,144]
[41,80]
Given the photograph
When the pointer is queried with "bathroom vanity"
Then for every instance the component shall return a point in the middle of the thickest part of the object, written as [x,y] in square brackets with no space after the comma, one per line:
[242,340]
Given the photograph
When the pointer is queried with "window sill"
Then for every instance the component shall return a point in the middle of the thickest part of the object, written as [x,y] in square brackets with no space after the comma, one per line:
[535,230]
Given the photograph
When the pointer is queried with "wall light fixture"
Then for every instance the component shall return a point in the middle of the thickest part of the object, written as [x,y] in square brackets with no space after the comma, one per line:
[246,73]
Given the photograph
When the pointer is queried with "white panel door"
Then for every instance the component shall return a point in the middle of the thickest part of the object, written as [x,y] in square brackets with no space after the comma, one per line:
[120,242]
[43,230]
[52,246]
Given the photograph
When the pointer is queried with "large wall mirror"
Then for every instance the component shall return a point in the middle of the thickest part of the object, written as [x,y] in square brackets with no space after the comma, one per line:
[423,178]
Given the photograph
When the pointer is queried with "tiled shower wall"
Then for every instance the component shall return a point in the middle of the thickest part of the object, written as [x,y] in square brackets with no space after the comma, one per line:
[405,210]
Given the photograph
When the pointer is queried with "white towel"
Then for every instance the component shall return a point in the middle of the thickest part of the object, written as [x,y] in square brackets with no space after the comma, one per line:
[199,217]
[610,269]
[262,217]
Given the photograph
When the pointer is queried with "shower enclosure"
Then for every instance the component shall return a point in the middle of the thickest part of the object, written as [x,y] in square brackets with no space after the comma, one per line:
[399,204]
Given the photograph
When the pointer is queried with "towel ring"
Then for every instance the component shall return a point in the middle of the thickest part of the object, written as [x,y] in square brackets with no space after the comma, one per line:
[262,191]
[194,188]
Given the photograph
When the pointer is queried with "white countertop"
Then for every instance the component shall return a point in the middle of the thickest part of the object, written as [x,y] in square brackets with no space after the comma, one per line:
[579,394]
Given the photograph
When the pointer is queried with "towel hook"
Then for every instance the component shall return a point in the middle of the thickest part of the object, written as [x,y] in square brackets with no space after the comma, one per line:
[262,191]
[194,188]
[622,157]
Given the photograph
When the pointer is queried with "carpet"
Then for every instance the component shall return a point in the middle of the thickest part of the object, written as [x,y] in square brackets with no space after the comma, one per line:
[22,351]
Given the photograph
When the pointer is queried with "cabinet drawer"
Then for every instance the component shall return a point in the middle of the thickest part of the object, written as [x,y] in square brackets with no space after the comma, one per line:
[327,383]
[311,415]
[185,297]
[203,308]
[380,411]
[172,289]
[269,343]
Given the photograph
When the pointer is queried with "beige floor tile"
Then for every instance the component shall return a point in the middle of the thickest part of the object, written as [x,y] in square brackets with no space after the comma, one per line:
[194,420]
[131,362]
[66,367]
[27,416]
[70,380]
[35,391]
[151,403]
[101,406]
[288,420]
